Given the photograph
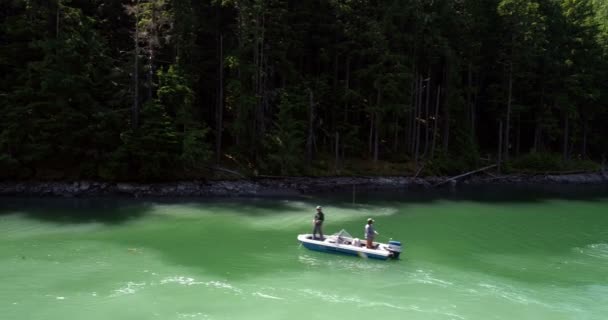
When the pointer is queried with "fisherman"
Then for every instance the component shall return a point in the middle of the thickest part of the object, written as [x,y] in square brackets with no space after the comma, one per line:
[370,233]
[317,223]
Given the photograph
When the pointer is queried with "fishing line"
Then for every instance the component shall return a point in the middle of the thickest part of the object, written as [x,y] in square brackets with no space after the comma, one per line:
[386,237]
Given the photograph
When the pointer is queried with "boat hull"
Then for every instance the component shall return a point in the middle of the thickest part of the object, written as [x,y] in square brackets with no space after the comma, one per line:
[345,249]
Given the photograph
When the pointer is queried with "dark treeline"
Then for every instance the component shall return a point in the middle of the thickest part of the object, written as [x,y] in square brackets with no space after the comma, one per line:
[163,89]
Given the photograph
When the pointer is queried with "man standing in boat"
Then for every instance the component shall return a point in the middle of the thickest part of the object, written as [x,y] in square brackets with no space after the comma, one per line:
[317,223]
[370,233]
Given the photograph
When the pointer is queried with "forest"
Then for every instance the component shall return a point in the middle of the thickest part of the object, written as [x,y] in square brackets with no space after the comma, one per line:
[149,90]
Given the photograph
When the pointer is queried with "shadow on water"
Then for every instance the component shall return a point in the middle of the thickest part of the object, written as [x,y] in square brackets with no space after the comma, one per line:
[247,253]
[185,243]
[473,193]
[117,210]
[248,206]
[111,211]
[520,246]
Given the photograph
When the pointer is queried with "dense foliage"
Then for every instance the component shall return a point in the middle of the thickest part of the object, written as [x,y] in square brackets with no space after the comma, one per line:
[163,89]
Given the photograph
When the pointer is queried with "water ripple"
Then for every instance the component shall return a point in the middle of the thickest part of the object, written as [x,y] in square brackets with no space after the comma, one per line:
[222,285]
[596,250]
[262,295]
[426,277]
[188,281]
[197,315]
[180,280]
[332,297]
[130,288]
[335,298]
[509,293]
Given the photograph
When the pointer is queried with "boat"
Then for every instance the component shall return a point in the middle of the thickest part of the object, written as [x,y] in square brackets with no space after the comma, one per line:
[343,243]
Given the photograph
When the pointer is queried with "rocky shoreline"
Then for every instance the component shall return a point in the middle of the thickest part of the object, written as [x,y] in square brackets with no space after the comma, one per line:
[290,186]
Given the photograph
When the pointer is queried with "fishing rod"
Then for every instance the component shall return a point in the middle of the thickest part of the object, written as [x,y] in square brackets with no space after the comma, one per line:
[386,237]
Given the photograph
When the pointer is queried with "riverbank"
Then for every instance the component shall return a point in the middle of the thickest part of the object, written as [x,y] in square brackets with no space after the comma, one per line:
[284,186]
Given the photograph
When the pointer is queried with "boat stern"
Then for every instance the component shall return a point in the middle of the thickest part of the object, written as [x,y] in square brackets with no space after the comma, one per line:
[394,247]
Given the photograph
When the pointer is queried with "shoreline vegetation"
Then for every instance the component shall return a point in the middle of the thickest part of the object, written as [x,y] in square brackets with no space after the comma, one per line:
[285,186]
[167,90]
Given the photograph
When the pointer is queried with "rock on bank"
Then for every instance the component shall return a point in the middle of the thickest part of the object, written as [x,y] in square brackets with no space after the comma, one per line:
[269,186]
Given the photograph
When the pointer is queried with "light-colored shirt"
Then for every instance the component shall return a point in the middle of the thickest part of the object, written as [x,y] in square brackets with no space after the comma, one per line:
[369,231]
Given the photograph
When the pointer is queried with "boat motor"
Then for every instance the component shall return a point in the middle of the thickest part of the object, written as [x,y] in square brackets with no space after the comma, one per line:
[395,248]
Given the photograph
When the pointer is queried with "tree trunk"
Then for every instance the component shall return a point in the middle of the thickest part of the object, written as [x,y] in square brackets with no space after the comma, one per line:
[257,61]
[57,18]
[464,175]
[151,37]
[220,102]
[446,110]
[336,65]
[396,138]
[509,101]
[412,119]
[371,133]
[478,85]
[337,161]
[499,160]
[310,138]
[585,131]
[436,122]
[537,138]
[376,138]
[418,122]
[135,107]
[346,89]
[262,79]
[426,114]
[411,128]
[377,124]
[566,135]
[470,106]
[518,136]
[538,128]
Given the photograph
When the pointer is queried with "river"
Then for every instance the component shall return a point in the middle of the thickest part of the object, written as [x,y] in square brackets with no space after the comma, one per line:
[476,253]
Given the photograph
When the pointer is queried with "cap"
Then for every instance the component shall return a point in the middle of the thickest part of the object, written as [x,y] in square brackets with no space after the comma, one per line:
[370,219]
[319,208]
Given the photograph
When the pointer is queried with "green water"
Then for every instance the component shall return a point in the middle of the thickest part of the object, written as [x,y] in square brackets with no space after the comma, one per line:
[480,254]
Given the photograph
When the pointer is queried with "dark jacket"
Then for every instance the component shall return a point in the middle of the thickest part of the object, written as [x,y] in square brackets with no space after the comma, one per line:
[319,217]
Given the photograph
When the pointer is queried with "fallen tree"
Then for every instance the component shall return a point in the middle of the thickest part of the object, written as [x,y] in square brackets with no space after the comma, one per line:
[463,175]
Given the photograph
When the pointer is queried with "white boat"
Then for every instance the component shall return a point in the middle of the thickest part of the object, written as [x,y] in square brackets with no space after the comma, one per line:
[343,243]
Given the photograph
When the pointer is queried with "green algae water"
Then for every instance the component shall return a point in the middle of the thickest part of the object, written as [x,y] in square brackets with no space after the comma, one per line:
[480,253]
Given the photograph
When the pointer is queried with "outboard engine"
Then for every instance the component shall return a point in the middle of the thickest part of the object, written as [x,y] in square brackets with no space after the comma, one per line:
[395,248]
